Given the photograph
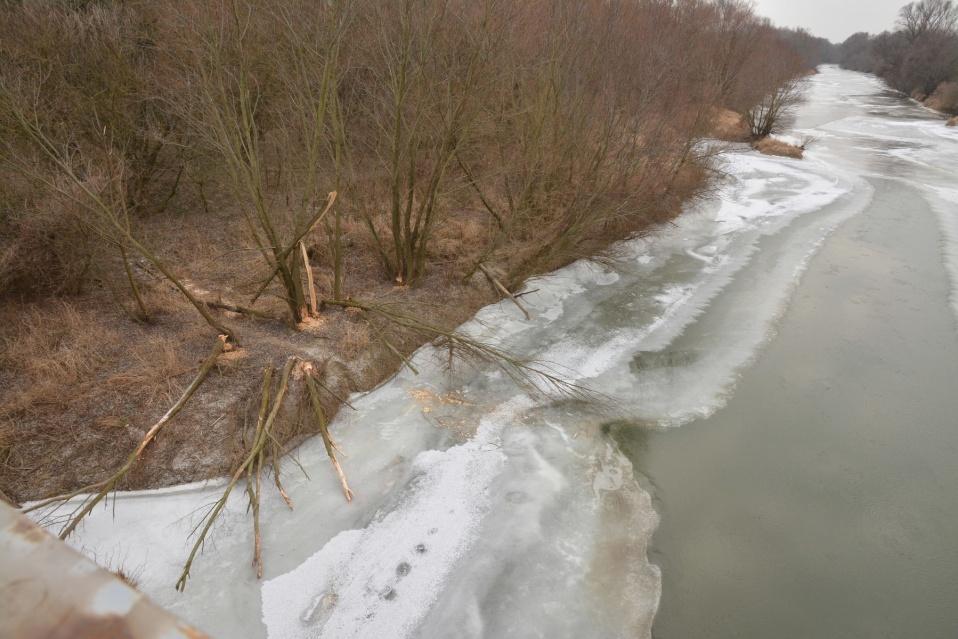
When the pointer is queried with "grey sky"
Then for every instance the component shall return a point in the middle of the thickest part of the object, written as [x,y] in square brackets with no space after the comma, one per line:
[832,19]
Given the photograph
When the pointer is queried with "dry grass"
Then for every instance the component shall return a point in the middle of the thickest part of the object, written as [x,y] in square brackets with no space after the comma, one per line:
[54,347]
[6,446]
[952,122]
[771,146]
[355,339]
[730,126]
[153,366]
[945,98]
[77,379]
[63,349]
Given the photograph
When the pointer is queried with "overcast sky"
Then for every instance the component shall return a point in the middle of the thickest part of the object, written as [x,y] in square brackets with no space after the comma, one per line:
[832,19]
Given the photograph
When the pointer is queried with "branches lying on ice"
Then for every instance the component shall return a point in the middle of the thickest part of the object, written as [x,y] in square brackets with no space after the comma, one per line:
[253,484]
[264,450]
[502,289]
[530,375]
[249,467]
[95,493]
[323,424]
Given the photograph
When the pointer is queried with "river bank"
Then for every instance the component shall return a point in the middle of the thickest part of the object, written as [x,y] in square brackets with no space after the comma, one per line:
[174,176]
[468,491]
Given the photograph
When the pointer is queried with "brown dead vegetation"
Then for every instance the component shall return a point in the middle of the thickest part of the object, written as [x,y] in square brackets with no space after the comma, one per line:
[730,126]
[772,146]
[945,98]
[952,122]
[164,169]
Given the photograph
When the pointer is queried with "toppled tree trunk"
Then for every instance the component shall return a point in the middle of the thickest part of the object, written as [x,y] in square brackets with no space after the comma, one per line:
[266,450]
[100,490]
[323,424]
[502,289]
[253,478]
[242,310]
[250,464]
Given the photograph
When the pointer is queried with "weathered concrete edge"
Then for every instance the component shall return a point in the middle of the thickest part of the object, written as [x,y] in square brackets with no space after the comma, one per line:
[48,589]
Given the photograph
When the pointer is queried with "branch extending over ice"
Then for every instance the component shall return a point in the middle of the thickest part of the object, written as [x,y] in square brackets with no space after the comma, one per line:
[98,491]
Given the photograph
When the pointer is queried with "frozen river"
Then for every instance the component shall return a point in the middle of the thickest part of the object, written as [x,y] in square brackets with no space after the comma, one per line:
[780,371]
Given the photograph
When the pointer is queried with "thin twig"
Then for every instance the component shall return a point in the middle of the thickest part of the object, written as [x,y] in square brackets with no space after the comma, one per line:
[534,376]
[395,351]
[336,396]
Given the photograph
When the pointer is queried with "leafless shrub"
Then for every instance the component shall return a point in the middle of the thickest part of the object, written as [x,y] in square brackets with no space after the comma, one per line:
[945,98]
[772,113]
[771,146]
[263,100]
[559,120]
[82,75]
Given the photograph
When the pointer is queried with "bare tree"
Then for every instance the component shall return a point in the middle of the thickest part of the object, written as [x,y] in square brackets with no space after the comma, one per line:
[771,114]
[97,186]
[928,16]
[428,75]
[738,37]
[227,110]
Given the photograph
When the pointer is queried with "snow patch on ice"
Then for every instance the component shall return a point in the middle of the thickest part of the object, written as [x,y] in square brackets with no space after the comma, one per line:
[380,581]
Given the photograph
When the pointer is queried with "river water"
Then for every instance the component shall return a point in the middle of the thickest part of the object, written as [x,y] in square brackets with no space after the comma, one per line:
[773,456]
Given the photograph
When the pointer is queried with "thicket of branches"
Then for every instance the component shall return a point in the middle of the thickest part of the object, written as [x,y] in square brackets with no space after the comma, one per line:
[562,123]
[919,58]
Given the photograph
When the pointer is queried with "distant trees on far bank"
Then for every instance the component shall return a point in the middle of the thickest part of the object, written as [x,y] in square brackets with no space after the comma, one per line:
[812,49]
[919,58]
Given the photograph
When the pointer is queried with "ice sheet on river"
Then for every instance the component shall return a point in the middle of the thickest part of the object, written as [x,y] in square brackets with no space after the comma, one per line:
[500,514]
[887,138]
